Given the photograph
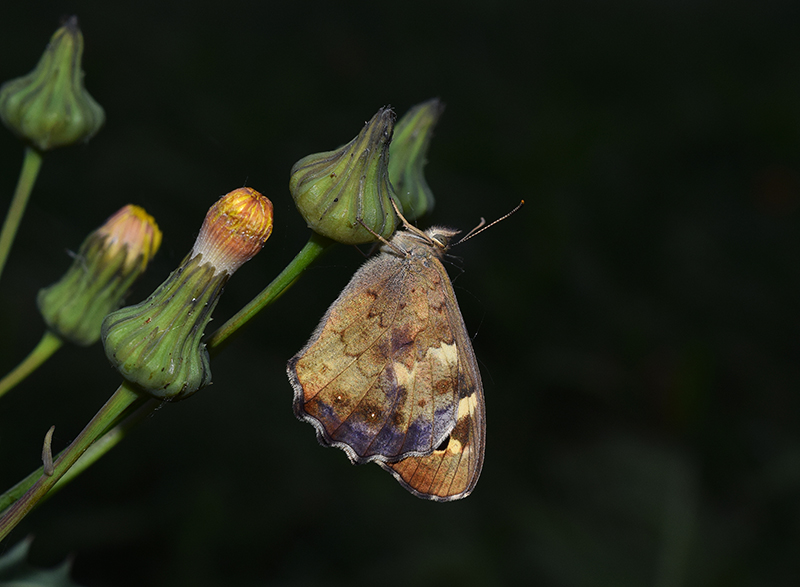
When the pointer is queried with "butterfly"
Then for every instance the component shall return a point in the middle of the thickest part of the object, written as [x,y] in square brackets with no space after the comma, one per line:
[390,375]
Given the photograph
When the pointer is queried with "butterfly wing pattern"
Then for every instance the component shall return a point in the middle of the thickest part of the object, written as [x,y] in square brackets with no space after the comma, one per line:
[390,375]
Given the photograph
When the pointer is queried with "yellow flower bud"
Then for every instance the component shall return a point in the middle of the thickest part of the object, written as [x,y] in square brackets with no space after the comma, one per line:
[235,229]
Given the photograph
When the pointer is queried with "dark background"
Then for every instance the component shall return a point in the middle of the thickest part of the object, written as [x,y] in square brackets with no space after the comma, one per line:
[636,323]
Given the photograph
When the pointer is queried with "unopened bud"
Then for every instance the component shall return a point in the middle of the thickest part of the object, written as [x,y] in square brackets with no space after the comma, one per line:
[408,156]
[107,264]
[49,107]
[337,191]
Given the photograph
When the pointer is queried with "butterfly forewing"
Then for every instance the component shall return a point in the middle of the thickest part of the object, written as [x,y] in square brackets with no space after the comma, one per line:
[383,386]
[338,374]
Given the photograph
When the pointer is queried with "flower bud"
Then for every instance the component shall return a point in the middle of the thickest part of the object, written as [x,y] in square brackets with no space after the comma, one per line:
[49,107]
[109,261]
[407,158]
[156,344]
[336,191]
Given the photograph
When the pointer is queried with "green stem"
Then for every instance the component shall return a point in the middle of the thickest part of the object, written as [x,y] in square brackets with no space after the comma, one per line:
[110,439]
[27,177]
[136,413]
[49,344]
[105,417]
[315,246]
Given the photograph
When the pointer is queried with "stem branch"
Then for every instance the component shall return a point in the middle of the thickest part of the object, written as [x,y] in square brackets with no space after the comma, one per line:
[315,246]
[49,344]
[105,417]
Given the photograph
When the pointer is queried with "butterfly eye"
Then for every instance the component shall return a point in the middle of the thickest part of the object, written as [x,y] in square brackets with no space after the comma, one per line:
[440,240]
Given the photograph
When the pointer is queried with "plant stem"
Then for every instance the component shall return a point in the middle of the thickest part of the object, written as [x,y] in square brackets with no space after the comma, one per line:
[48,345]
[315,246]
[108,414]
[110,439]
[136,413]
[27,177]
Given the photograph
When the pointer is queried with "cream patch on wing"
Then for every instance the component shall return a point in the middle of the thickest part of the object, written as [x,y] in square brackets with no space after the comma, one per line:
[467,405]
[454,446]
[444,354]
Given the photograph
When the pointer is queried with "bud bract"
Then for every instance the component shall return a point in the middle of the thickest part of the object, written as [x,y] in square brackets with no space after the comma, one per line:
[107,264]
[408,156]
[49,107]
[336,191]
[157,344]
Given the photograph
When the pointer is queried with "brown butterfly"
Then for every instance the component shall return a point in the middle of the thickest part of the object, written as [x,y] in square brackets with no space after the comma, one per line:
[390,376]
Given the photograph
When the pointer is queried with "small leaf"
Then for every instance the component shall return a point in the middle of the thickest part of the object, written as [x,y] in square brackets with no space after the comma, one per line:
[15,572]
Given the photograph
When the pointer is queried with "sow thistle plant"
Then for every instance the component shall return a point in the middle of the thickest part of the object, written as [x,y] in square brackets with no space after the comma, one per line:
[159,345]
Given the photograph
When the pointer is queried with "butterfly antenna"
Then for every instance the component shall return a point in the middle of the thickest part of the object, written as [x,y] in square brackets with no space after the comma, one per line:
[408,226]
[483,226]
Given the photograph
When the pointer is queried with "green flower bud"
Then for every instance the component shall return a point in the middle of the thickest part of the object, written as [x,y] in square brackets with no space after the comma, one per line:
[407,157]
[49,107]
[336,191]
[156,345]
[106,266]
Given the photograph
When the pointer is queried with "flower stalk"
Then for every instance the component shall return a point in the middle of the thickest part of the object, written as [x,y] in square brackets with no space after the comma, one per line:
[108,262]
[45,349]
[27,178]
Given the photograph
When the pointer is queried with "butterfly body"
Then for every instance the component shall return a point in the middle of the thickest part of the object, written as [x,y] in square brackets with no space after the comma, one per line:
[390,375]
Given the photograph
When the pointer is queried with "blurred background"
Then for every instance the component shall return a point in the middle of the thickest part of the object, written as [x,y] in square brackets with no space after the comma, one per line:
[636,323]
